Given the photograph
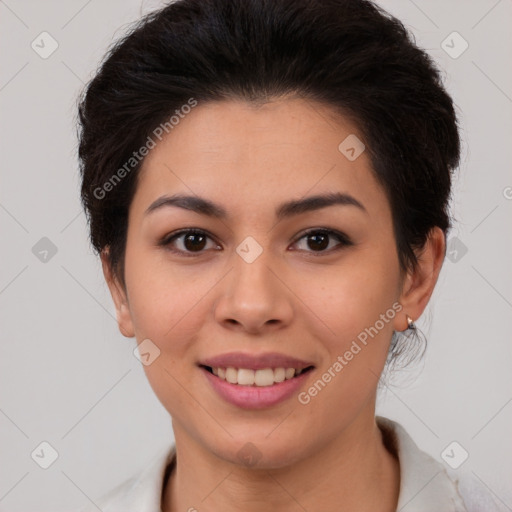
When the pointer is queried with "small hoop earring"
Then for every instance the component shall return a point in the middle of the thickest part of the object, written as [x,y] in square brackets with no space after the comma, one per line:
[410,323]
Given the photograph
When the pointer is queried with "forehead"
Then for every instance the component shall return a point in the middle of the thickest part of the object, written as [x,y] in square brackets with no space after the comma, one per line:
[238,154]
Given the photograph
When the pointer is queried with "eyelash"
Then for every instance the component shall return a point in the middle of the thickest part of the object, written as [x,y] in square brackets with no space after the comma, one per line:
[340,237]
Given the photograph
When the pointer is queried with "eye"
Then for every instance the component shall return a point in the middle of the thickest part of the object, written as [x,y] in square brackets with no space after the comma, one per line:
[319,240]
[189,241]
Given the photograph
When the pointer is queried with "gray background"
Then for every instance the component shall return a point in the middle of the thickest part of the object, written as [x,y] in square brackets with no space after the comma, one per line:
[68,377]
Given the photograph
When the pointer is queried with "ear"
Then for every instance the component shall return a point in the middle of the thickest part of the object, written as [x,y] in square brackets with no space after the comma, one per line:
[119,296]
[419,284]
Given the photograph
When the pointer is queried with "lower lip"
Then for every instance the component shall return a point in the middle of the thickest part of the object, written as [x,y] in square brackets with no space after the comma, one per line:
[255,397]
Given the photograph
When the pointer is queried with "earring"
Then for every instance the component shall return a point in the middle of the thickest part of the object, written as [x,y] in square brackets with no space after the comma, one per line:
[410,323]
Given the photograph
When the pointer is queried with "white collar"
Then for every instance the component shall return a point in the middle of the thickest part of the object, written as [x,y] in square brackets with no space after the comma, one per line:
[424,484]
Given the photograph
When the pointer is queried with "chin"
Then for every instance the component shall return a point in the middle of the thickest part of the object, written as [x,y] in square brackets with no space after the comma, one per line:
[260,452]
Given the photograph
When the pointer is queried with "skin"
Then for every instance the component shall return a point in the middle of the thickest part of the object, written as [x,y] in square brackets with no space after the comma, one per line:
[293,299]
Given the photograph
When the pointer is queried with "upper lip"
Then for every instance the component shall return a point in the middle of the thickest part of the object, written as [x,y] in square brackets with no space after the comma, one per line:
[255,362]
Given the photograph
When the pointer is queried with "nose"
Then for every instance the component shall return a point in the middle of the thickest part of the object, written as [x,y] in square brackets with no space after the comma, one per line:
[253,297]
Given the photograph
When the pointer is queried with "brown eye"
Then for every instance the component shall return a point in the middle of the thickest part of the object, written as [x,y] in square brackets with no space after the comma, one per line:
[188,242]
[320,241]
[194,242]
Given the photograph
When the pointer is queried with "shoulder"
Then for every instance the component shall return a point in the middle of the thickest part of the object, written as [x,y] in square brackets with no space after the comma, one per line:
[425,484]
[140,493]
[477,497]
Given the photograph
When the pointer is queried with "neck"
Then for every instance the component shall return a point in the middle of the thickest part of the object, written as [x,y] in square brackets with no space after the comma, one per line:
[355,470]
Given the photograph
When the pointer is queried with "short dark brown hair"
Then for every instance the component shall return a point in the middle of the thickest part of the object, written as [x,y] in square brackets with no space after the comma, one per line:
[347,54]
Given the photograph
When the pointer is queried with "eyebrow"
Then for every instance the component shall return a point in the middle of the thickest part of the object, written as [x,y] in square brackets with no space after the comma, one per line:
[288,209]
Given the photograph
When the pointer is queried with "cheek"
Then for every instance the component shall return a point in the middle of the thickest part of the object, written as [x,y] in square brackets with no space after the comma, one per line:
[169,307]
[357,306]
[166,302]
[352,297]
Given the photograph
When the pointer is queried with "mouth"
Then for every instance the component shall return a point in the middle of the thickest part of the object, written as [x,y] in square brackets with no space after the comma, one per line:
[255,381]
[257,378]
[262,386]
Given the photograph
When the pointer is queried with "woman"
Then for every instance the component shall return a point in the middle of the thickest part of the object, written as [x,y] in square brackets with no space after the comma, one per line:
[267,183]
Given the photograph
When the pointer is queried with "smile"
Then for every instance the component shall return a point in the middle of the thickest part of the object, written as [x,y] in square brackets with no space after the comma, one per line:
[261,378]
[255,389]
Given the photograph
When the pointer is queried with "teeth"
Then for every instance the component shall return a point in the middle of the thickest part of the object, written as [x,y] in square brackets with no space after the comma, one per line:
[280,374]
[261,378]
[246,377]
[289,373]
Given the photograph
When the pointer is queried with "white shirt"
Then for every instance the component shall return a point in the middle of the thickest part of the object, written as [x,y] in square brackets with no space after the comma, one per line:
[425,486]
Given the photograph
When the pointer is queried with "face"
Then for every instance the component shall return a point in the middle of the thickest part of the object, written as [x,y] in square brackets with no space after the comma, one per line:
[260,276]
